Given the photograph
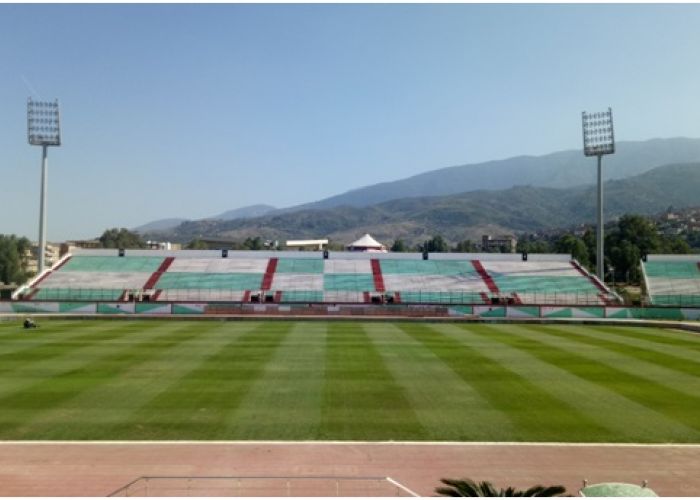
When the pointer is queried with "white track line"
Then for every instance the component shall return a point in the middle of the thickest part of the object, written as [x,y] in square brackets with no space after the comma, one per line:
[356,443]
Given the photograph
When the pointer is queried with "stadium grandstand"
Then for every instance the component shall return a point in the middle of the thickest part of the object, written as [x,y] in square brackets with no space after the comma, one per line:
[672,280]
[316,277]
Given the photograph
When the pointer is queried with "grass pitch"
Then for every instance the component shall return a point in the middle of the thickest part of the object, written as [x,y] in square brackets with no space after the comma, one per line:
[280,380]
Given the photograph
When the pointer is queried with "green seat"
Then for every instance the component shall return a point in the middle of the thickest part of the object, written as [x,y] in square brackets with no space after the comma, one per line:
[78,294]
[302,296]
[670,270]
[112,264]
[676,282]
[676,300]
[441,297]
[348,282]
[549,284]
[214,281]
[299,266]
[423,267]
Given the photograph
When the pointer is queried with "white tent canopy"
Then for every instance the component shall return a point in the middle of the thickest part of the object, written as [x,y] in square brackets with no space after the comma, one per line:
[367,243]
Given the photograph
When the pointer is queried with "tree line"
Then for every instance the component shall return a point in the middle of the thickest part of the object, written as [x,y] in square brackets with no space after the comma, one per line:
[123,238]
[627,240]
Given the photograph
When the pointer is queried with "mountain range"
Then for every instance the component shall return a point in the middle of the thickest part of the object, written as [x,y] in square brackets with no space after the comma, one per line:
[557,170]
[465,215]
[524,193]
[560,169]
[237,213]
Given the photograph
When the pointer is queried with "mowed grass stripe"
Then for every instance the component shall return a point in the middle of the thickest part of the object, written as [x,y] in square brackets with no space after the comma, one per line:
[590,363]
[44,344]
[49,364]
[663,336]
[93,412]
[627,420]
[15,331]
[361,399]
[285,400]
[628,360]
[200,405]
[109,379]
[535,414]
[629,337]
[51,393]
[46,347]
[665,363]
[447,406]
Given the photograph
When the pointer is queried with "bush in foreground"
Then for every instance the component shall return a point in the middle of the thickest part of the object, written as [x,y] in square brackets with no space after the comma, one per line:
[468,488]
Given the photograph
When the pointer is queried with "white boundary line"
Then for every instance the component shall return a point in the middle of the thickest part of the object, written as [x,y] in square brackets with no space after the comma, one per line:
[360,443]
[401,486]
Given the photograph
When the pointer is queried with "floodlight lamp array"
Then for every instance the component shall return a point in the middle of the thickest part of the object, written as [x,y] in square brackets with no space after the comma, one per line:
[43,123]
[598,134]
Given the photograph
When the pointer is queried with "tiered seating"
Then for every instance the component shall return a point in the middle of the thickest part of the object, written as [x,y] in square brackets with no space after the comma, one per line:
[319,280]
[543,282]
[299,279]
[214,279]
[87,277]
[673,280]
[435,281]
[348,280]
[291,277]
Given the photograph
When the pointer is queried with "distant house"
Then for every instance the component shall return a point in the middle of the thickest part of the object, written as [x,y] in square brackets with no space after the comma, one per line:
[163,245]
[504,243]
[303,244]
[366,244]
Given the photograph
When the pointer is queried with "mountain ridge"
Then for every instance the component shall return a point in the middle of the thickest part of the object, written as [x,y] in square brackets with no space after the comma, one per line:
[565,168]
[236,213]
[467,215]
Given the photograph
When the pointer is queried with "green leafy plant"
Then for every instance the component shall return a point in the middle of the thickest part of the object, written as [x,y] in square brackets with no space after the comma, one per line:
[468,488]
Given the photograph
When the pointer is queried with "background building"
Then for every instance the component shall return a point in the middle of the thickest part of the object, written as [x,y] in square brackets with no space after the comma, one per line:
[503,243]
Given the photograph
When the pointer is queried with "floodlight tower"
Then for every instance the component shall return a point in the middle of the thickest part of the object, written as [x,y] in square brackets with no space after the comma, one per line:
[599,140]
[43,129]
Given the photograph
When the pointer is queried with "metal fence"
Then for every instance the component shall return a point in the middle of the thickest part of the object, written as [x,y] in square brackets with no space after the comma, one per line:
[291,296]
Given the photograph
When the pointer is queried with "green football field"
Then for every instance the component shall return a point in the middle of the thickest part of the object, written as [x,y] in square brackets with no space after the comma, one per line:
[287,380]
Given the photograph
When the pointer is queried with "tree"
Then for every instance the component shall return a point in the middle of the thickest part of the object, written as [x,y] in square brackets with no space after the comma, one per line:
[468,488]
[253,243]
[693,239]
[121,238]
[196,244]
[624,258]
[533,246]
[674,244]
[465,246]
[633,237]
[589,239]
[434,245]
[399,246]
[12,258]
[639,231]
[574,246]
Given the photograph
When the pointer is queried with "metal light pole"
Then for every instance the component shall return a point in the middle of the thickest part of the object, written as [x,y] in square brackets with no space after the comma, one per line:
[599,140]
[43,129]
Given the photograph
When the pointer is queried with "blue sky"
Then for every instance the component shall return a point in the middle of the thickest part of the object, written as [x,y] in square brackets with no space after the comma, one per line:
[189,110]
